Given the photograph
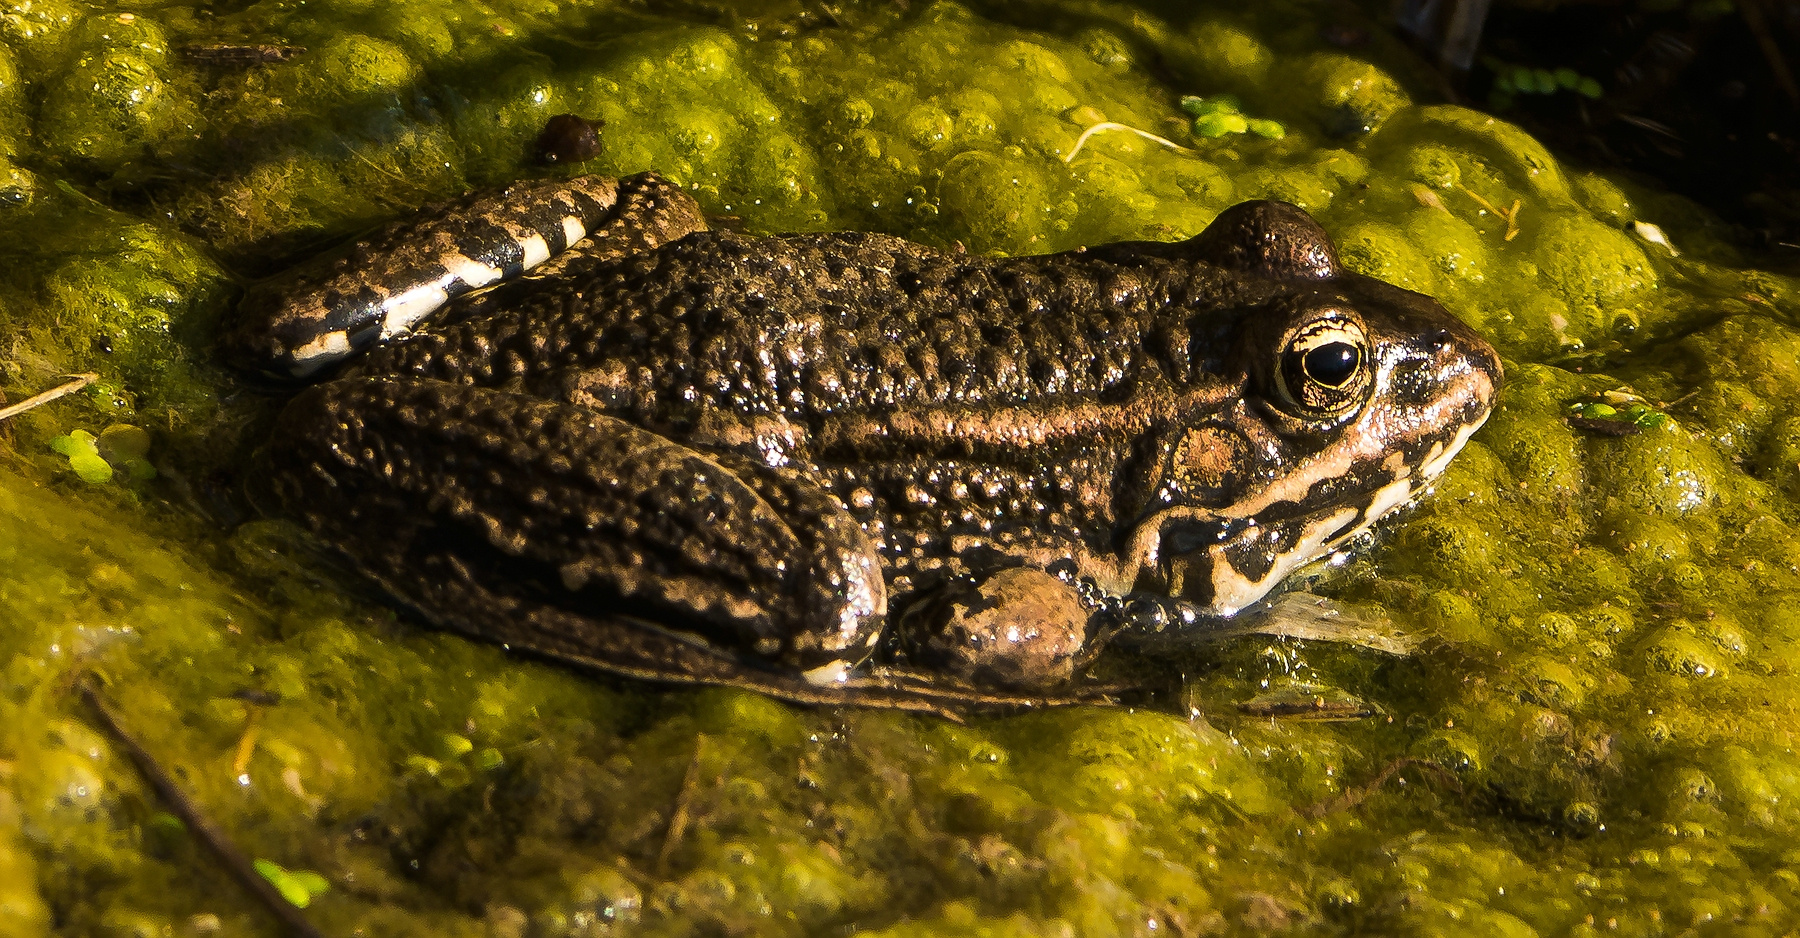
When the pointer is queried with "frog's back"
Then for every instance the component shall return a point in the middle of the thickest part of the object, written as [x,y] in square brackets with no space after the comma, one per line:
[828,323]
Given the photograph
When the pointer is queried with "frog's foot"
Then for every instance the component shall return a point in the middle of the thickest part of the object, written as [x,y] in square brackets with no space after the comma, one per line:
[544,526]
[315,316]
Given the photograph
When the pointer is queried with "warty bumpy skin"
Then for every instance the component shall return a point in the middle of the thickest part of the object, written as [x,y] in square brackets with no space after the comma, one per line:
[768,447]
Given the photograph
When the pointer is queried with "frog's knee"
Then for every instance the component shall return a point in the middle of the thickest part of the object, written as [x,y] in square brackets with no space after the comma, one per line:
[833,585]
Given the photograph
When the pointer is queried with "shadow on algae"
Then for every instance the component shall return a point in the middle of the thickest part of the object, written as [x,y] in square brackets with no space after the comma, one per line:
[1606,691]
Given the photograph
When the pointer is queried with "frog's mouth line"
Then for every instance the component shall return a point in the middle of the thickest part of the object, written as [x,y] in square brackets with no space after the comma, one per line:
[1238,570]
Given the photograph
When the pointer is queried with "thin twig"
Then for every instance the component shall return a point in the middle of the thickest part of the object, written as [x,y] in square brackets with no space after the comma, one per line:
[80,381]
[1109,125]
[1355,796]
[1510,217]
[246,746]
[678,818]
[226,852]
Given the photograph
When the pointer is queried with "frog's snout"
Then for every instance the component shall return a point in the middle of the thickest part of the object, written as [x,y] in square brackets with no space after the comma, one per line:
[1443,385]
[1470,373]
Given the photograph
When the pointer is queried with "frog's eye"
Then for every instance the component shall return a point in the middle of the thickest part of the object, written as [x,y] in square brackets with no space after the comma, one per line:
[1324,369]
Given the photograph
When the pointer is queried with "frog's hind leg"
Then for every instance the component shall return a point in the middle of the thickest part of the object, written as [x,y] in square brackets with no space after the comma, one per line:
[545,526]
[650,211]
[314,316]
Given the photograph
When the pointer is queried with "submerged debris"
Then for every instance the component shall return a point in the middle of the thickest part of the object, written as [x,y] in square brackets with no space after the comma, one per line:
[230,55]
[63,390]
[569,138]
[223,849]
[1082,140]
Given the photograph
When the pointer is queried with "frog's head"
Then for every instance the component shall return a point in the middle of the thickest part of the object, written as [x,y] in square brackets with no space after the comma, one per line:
[1349,397]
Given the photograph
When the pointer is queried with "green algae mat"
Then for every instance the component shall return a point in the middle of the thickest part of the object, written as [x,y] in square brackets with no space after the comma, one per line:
[1595,734]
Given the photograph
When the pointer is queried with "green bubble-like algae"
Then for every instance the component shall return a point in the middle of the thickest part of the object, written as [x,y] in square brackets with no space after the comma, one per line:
[1591,737]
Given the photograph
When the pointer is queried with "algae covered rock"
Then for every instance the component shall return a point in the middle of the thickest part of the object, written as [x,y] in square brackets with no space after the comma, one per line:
[1591,735]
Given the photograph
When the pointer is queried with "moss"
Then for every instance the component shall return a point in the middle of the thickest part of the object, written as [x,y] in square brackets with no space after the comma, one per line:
[12,95]
[1510,154]
[128,33]
[1002,207]
[1435,166]
[353,67]
[1605,200]
[1330,82]
[1590,263]
[1663,470]
[38,29]
[1225,57]
[1450,244]
[1382,250]
[1607,623]
[110,107]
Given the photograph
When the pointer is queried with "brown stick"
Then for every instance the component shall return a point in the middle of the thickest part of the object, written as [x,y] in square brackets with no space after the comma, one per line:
[678,818]
[80,381]
[1355,796]
[227,853]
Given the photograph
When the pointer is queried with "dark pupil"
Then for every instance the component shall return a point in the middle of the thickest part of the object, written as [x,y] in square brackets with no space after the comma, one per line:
[1333,363]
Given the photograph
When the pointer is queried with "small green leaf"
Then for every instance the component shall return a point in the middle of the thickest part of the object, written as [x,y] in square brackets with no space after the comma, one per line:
[298,887]
[84,456]
[294,893]
[1203,107]
[1598,410]
[92,469]
[1272,130]
[489,759]
[1567,78]
[456,745]
[1219,125]
[75,443]
[1589,88]
[163,820]
[312,882]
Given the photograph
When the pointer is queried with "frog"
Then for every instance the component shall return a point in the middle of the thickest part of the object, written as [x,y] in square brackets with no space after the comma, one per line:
[581,419]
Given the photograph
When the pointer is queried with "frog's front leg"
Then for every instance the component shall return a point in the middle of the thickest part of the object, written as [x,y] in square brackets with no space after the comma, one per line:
[544,525]
[1021,628]
[314,316]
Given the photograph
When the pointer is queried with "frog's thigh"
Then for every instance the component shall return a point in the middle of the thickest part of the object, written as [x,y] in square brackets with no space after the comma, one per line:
[483,508]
